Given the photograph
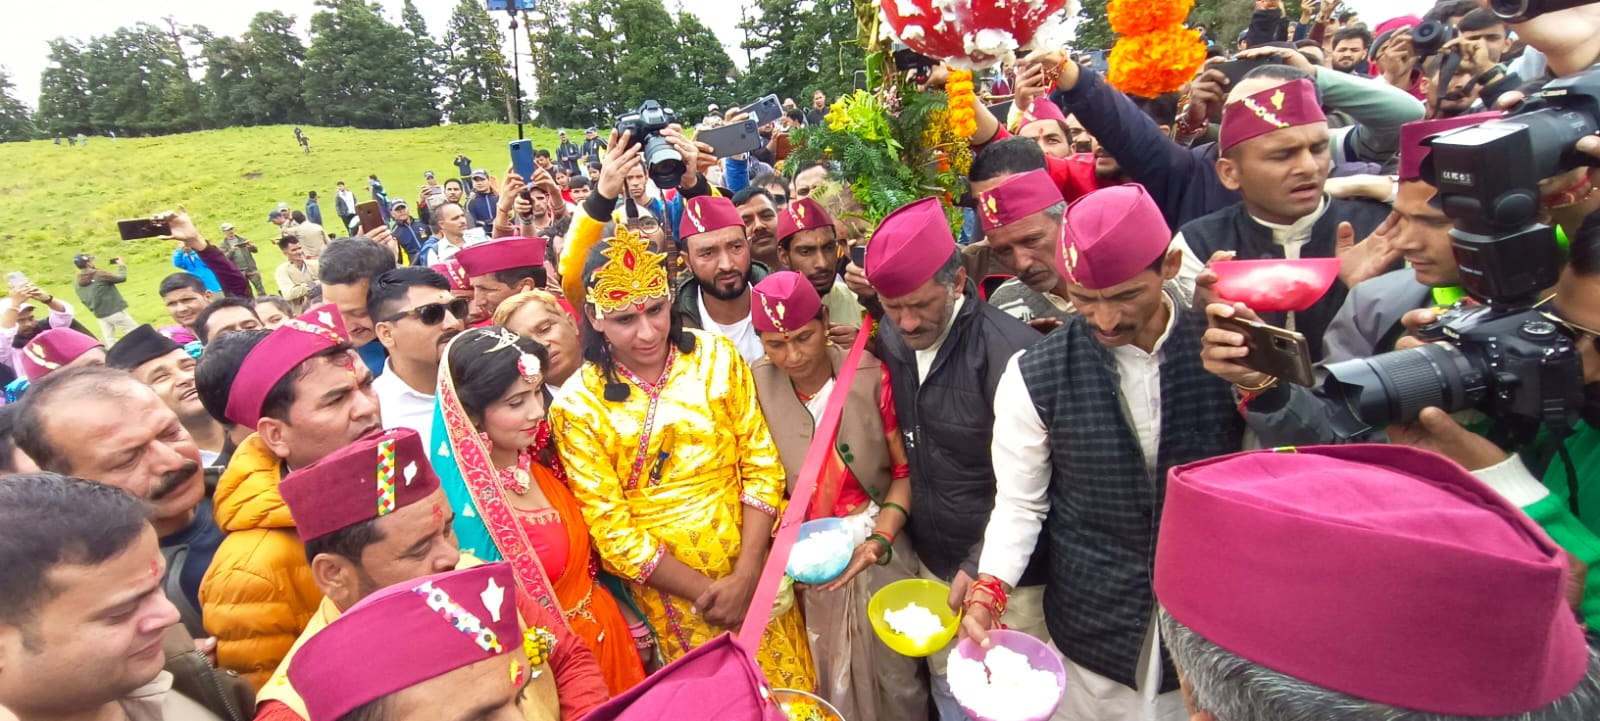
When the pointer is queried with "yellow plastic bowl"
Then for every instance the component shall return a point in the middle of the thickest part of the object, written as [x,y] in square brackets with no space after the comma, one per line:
[931,595]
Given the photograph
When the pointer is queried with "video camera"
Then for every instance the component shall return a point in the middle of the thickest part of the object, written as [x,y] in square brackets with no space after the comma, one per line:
[662,161]
[1504,357]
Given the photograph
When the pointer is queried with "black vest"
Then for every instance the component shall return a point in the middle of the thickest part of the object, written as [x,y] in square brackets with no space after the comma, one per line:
[1233,229]
[1105,506]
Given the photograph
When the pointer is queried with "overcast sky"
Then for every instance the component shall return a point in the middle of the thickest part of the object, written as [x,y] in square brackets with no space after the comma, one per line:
[23,40]
[33,23]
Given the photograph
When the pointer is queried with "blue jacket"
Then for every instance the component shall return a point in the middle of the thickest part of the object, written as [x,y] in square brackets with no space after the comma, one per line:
[313,212]
[188,262]
[410,236]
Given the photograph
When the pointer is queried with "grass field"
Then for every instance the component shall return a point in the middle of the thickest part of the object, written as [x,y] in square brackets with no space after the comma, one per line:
[56,201]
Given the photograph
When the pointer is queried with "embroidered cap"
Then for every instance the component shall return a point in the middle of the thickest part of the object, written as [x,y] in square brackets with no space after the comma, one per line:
[802,214]
[289,345]
[783,302]
[445,622]
[452,270]
[1384,572]
[1111,235]
[705,213]
[908,248]
[371,478]
[1289,105]
[1017,197]
[501,254]
[52,349]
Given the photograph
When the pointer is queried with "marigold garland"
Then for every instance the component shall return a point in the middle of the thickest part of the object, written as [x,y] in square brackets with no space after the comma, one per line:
[1141,17]
[963,102]
[1156,63]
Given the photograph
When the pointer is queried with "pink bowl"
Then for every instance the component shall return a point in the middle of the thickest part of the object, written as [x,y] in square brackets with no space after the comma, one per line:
[1274,285]
[1039,654]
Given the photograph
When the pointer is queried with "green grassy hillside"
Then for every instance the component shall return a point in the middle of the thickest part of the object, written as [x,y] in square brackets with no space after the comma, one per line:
[56,201]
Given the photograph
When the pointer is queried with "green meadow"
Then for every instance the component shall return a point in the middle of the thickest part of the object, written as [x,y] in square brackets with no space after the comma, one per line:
[56,201]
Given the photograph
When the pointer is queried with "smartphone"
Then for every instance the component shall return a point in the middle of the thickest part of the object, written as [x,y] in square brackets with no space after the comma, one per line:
[522,159]
[861,80]
[765,110]
[730,140]
[16,279]
[858,255]
[1236,69]
[141,228]
[370,214]
[1274,351]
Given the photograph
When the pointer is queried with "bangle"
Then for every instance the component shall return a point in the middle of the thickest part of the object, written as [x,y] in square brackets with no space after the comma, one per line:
[886,544]
[897,507]
[1268,383]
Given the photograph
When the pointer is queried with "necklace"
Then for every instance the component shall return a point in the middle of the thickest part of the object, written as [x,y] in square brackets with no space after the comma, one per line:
[518,478]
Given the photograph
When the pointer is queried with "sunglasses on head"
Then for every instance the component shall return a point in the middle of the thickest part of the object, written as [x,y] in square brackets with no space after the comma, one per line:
[433,313]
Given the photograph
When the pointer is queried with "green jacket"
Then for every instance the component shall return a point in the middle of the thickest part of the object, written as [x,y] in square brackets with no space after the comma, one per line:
[1578,533]
[243,254]
[98,291]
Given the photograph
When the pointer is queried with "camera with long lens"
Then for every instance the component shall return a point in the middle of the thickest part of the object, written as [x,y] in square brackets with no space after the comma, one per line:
[1430,37]
[1524,10]
[662,162]
[1502,356]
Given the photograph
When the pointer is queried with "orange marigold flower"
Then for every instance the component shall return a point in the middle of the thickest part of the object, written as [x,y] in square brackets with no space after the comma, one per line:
[1139,17]
[1156,63]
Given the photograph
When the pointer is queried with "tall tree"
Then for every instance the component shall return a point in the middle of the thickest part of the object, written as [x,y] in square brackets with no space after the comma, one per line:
[1094,30]
[703,62]
[578,46]
[138,83]
[810,45]
[427,58]
[479,88]
[350,70]
[278,78]
[64,91]
[16,120]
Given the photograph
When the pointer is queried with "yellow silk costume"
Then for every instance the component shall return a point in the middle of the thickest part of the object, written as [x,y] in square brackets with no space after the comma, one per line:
[715,455]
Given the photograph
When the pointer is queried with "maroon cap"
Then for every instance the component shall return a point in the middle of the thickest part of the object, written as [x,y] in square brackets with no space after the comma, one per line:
[1284,106]
[802,214]
[1017,197]
[908,248]
[452,269]
[502,254]
[408,633]
[1043,109]
[52,349]
[1383,572]
[373,477]
[275,356]
[1412,149]
[705,213]
[783,302]
[1111,235]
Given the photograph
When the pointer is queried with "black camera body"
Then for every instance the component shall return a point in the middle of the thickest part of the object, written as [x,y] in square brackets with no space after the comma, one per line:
[662,161]
[1430,36]
[1503,357]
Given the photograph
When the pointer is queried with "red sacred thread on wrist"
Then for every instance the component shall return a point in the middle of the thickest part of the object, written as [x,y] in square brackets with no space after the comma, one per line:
[996,591]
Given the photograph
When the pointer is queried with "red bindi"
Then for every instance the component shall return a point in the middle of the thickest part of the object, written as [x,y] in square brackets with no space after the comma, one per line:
[438,513]
[155,569]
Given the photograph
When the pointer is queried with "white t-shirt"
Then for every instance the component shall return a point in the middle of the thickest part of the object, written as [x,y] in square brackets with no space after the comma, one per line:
[742,332]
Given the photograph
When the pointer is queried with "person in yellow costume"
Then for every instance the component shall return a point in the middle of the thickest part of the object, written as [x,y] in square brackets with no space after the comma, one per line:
[669,456]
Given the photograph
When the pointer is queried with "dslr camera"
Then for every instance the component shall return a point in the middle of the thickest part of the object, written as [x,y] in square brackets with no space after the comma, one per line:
[1502,356]
[1429,38]
[662,162]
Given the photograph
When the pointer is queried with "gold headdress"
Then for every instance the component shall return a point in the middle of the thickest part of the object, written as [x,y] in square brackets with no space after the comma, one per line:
[631,275]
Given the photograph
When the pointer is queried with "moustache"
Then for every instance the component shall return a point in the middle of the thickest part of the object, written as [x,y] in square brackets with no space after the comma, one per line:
[170,481]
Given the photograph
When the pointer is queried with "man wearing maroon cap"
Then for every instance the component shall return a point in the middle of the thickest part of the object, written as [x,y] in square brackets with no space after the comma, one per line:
[945,350]
[372,515]
[502,268]
[1364,582]
[716,296]
[1093,417]
[1274,152]
[306,394]
[59,349]
[1021,217]
[809,244]
[448,646]
[159,362]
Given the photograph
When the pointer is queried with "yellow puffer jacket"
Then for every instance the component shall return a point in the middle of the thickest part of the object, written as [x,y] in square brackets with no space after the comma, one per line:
[258,594]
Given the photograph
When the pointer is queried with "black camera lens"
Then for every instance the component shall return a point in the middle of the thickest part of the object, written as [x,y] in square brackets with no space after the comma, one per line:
[1514,9]
[664,162]
[1394,387]
[1429,37]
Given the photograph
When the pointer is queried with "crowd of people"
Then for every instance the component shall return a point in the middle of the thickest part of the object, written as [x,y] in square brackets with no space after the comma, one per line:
[523,451]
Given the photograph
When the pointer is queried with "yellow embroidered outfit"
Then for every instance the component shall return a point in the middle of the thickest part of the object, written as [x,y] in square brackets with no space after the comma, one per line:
[705,454]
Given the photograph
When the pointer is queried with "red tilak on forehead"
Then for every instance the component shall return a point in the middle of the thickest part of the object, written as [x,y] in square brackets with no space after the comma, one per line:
[438,513]
[639,307]
[155,569]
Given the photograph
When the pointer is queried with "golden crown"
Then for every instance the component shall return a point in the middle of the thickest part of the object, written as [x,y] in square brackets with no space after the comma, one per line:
[632,275]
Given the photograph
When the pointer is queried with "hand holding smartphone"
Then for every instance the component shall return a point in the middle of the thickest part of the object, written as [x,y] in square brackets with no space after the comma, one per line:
[142,228]
[370,214]
[1274,351]
[522,159]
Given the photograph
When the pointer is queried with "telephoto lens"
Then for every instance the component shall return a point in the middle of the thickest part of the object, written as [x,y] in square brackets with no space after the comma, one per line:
[664,162]
[1395,387]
